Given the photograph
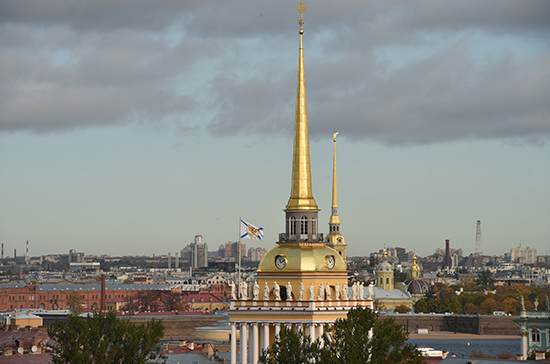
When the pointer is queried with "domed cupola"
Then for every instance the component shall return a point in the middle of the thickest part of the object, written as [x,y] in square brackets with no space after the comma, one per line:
[384,273]
[416,286]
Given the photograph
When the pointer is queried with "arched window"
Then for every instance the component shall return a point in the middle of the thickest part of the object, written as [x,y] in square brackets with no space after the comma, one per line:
[292,225]
[387,280]
[535,335]
[283,293]
[303,225]
[314,225]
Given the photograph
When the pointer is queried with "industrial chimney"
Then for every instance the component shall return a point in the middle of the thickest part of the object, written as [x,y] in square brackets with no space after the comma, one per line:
[447,254]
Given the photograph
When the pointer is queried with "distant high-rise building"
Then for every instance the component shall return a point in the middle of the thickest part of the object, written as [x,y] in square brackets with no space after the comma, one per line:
[76,257]
[256,254]
[232,250]
[523,255]
[198,253]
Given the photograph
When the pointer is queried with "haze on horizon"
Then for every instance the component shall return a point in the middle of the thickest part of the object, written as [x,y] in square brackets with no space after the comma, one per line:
[128,127]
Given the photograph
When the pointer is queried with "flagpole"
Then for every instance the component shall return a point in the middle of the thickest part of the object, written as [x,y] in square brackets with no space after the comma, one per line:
[239,252]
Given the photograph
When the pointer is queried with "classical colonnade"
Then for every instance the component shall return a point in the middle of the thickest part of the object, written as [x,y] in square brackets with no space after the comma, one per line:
[258,334]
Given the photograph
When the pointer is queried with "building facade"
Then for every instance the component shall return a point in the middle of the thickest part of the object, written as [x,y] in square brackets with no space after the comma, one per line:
[302,282]
[523,255]
[534,328]
[56,296]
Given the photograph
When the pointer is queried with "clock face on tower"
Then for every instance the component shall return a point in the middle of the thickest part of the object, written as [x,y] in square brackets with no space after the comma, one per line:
[280,262]
[331,262]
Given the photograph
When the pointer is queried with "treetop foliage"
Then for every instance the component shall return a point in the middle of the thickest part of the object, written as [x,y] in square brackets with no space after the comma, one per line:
[99,339]
[443,298]
[360,338]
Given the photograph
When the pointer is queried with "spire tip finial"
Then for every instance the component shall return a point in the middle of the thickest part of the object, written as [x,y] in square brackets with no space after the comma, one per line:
[302,10]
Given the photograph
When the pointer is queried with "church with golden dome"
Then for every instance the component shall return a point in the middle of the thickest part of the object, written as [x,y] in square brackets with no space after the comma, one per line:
[302,282]
[386,294]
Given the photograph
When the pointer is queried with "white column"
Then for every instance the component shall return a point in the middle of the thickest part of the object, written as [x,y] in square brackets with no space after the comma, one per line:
[524,344]
[244,331]
[265,337]
[320,334]
[277,329]
[311,331]
[233,344]
[255,344]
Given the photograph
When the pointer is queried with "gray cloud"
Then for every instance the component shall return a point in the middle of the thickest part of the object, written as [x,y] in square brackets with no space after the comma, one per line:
[230,67]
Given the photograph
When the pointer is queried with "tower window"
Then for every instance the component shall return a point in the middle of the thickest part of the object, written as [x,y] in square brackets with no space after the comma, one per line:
[292,225]
[313,225]
[387,280]
[303,225]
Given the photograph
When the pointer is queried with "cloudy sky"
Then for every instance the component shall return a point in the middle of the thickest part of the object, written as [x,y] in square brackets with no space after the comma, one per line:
[128,127]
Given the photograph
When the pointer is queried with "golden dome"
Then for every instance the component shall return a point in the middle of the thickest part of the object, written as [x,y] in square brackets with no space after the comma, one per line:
[302,257]
[384,266]
[415,269]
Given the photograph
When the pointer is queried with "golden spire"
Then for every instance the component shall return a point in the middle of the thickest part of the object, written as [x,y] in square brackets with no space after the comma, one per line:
[301,196]
[415,269]
[335,239]
[334,219]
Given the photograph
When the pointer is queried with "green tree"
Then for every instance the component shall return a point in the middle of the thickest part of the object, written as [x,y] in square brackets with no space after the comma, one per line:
[349,342]
[99,339]
[402,309]
[292,347]
[74,303]
[489,305]
[485,279]
[472,309]
[400,276]
[421,306]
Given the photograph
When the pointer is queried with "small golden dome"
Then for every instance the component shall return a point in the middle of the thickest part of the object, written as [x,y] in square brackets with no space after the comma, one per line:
[302,257]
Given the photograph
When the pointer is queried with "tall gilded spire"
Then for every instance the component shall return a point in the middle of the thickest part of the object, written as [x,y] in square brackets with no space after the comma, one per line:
[334,238]
[334,219]
[301,195]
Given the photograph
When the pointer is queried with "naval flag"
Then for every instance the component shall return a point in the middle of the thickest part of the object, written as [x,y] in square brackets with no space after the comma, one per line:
[249,231]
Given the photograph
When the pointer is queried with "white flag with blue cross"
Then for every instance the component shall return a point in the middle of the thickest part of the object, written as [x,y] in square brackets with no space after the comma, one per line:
[249,231]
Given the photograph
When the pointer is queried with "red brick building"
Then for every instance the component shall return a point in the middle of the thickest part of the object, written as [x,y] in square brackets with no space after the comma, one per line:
[56,296]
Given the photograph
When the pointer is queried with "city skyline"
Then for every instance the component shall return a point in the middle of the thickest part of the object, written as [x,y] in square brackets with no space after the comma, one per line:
[133,127]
